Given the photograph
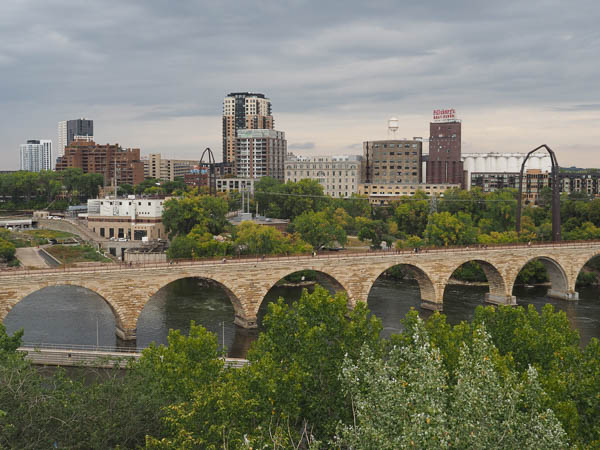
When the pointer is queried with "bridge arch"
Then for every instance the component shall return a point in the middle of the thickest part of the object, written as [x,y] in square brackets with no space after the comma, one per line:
[560,287]
[430,298]
[241,314]
[335,282]
[497,294]
[579,268]
[118,312]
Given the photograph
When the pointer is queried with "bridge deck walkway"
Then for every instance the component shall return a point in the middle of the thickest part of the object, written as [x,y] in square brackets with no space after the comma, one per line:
[320,256]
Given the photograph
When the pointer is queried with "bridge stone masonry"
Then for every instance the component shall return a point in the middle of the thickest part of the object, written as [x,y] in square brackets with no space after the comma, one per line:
[127,289]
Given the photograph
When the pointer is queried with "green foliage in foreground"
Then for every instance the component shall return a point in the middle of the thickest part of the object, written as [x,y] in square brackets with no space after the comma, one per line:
[408,400]
[7,250]
[320,377]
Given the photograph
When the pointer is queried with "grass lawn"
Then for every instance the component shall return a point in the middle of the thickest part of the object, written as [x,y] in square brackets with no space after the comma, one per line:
[49,234]
[31,238]
[69,254]
[354,243]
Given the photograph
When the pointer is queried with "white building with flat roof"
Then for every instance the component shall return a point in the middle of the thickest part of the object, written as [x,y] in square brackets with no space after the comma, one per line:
[36,155]
[504,162]
[131,218]
[339,175]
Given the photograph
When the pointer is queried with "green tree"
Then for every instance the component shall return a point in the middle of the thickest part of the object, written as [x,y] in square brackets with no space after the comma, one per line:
[296,360]
[7,250]
[585,231]
[408,400]
[254,239]
[181,215]
[319,229]
[445,229]
[411,242]
[376,231]
[411,214]
[289,200]
[9,344]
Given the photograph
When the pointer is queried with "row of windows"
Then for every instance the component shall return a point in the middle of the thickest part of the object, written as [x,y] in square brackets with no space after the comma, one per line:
[384,174]
[394,145]
[129,203]
[314,166]
[394,167]
[322,174]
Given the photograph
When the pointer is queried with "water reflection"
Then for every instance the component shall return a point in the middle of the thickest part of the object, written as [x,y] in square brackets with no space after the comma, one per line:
[63,315]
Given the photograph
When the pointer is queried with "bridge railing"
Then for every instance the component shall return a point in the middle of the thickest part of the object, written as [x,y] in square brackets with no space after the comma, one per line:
[75,347]
[93,356]
[342,254]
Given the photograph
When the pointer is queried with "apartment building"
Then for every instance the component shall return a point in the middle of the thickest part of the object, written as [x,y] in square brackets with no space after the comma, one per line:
[339,175]
[243,111]
[36,155]
[110,160]
[165,168]
[260,153]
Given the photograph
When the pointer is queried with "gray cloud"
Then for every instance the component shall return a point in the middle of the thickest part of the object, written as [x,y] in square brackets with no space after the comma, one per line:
[301,146]
[162,67]
[582,107]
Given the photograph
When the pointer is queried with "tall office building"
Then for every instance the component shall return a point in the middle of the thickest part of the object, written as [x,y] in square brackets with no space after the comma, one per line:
[36,155]
[243,110]
[444,164]
[68,130]
[396,161]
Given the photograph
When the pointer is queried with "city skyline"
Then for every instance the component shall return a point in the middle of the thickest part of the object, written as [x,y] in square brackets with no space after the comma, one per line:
[519,75]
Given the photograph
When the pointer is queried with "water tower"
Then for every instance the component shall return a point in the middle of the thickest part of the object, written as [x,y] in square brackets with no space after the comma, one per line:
[393,125]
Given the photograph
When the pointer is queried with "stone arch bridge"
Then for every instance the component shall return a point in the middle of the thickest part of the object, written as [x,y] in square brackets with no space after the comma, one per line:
[127,288]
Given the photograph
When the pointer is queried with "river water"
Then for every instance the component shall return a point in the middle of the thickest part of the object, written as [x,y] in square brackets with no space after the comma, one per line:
[75,316]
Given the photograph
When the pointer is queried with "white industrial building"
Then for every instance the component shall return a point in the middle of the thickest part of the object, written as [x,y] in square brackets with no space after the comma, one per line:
[504,162]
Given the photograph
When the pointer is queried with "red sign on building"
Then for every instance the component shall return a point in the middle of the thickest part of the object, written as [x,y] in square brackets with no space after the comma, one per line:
[444,115]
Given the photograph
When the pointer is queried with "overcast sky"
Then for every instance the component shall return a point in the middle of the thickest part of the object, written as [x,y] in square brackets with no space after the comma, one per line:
[152,74]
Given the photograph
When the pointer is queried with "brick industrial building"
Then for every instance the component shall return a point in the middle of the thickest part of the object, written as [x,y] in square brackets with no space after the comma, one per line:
[444,164]
[110,160]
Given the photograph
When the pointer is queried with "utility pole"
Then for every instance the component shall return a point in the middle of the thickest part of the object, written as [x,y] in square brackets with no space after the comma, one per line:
[242,192]
[433,204]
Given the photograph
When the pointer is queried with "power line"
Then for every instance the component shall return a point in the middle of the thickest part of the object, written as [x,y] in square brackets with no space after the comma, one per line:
[413,199]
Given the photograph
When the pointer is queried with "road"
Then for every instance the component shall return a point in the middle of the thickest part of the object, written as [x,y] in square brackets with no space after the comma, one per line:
[30,257]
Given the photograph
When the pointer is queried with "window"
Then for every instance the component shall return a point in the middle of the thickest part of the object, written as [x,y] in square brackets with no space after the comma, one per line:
[102,232]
